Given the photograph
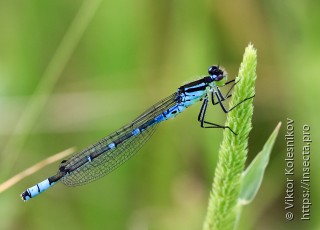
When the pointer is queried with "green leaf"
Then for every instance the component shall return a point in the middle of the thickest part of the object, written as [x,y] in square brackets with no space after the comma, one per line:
[253,175]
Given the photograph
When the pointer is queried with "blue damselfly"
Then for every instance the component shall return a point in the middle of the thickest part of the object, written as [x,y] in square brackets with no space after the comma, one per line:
[106,155]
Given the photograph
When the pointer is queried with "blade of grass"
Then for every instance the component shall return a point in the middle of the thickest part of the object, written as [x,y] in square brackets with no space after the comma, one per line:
[253,175]
[221,213]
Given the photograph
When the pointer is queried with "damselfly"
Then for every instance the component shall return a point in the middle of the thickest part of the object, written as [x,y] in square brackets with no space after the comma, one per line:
[109,153]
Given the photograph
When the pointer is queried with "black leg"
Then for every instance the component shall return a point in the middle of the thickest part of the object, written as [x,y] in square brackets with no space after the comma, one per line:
[227,95]
[222,98]
[229,110]
[248,98]
[203,110]
[201,118]
[220,102]
[229,82]
[213,125]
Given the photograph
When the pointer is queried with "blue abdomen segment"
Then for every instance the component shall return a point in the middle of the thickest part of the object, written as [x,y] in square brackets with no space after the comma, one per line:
[36,190]
[170,113]
[185,100]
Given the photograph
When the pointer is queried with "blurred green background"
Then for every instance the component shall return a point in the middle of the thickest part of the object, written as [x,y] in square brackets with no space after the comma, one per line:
[130,55]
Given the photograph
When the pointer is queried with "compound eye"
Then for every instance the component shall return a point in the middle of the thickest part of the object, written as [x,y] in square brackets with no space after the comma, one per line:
[213,70]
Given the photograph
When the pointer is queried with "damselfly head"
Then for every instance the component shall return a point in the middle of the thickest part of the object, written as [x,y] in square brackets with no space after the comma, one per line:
[218,75]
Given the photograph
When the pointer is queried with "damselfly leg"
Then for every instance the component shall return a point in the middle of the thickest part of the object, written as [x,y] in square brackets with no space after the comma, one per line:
[201,118]
[217,93]
[220,97]
[228,94]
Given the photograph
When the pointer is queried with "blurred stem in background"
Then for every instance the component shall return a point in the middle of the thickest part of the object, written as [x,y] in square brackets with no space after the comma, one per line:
[46,85]
[29,171]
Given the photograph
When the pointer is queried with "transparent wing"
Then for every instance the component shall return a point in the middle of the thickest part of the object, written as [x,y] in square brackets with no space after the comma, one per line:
[113,158]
